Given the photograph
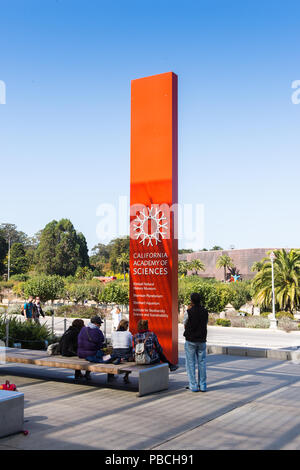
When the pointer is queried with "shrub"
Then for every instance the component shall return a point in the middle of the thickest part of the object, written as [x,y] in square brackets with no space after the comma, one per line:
[257,322]
[31,335]
[20,277]
[287,324]
[7,284]
[77,292]
[77,311]
[265,314]
[14,309]
[212,318]
[223,322]
[238,322]
[284,314]
[239,293]
[214,295]
[115,292]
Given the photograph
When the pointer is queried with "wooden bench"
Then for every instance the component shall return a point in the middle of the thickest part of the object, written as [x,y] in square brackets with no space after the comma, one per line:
[152,378]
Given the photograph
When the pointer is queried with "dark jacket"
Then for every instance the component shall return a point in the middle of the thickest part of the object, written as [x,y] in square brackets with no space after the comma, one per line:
[69,342]
[196,325]
[38,311]
[90,340]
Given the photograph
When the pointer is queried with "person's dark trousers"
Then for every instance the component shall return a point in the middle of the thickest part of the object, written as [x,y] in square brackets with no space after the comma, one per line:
[78,374]
[98,357]
[163,358]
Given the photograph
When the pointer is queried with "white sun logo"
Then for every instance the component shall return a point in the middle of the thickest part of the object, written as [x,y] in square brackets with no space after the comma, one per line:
[157,219]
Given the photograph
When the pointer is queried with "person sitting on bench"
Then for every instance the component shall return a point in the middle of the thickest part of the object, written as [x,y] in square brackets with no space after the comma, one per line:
[68,344]
[91,341]
[121,341]
[152,345]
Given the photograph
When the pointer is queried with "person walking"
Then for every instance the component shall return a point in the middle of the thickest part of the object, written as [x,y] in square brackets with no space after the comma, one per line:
[37,310]
[116,316]
[28,308]
[195,322]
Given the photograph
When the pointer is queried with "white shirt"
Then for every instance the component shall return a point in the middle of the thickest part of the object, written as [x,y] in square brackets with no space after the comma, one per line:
[116,318]
[121,339]
[185,317]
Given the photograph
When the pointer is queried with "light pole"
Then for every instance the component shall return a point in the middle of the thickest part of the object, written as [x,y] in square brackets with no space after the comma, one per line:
[8,262]
[272,316]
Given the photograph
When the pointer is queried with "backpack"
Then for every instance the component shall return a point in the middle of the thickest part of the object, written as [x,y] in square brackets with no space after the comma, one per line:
[8,386]
[53,349]
[141,355]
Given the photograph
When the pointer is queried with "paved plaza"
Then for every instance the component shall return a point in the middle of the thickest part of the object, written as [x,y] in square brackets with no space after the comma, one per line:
[251,403]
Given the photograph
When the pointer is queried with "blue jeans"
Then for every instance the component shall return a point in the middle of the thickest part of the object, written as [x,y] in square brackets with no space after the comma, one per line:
[196,353]
[98,357]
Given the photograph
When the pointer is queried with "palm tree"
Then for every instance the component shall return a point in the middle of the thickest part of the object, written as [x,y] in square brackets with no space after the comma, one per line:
[123,261]
[182,267]
[257,266]
[196,265]
[286,280]
[224,261]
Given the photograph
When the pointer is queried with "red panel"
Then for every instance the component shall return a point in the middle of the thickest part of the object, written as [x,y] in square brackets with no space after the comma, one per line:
[154,183]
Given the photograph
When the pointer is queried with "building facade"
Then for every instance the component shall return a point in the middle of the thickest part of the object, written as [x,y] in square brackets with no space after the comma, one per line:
[242,260]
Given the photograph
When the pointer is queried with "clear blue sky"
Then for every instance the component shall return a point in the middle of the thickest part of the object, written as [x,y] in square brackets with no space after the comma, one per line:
[65,127]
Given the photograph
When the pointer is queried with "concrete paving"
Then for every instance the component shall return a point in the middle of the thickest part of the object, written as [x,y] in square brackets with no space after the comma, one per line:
[251,403]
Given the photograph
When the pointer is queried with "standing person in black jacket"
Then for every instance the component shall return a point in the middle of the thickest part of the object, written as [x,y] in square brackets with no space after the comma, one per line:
[69,343]
[37,310]
[195,322]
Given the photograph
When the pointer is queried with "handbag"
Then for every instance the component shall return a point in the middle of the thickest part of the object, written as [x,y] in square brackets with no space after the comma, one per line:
[141,356]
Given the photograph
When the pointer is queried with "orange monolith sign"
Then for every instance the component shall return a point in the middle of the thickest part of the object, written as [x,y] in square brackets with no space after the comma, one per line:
[153,197]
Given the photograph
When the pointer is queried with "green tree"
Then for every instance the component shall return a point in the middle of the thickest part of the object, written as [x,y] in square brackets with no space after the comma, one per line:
[83,250]
[286,280]
[3,253]
[224,261]
[77,292]
[123,261]
[61,249]
[18,259]
[182,268]
[105,257]
[216,248]
[9,231]
[116,248]
[45,287]
[84,273]
[196,265]
[257,266]
[115,292]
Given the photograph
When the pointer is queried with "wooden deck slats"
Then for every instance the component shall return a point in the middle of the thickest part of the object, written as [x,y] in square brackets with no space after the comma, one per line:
[41,358]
